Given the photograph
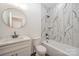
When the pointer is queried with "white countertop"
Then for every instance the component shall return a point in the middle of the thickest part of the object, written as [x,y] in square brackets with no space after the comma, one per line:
[10,40]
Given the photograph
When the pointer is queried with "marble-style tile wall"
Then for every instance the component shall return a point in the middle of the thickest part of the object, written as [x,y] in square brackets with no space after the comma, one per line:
[60,22]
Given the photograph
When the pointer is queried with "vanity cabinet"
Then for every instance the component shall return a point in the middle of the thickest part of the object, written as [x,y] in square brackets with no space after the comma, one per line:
[22,52]
[22,48]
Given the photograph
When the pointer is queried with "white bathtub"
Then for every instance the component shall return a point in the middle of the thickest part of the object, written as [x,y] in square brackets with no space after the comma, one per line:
[58,49]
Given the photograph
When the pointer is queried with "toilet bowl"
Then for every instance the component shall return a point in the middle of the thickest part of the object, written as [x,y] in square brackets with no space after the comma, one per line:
[37,47]
[40,50]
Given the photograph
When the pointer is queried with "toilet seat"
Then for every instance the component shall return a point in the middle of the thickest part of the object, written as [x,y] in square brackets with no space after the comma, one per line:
[40,49]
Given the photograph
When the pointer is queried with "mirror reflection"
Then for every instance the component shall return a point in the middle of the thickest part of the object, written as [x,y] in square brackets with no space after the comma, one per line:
[13,17]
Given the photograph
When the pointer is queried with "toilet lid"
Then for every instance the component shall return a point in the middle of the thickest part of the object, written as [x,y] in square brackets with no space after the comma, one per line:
[41,48]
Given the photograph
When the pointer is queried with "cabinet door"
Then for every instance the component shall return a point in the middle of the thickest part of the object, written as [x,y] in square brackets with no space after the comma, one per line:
[9,54]
[24,52]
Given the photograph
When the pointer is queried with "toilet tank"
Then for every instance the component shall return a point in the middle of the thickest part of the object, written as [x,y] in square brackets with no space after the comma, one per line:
[36,41]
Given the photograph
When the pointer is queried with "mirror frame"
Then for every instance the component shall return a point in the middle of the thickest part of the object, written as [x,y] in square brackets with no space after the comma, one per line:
[18,9]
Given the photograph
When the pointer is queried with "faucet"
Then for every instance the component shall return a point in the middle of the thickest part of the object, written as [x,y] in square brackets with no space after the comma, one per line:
[15,35]
[47,37]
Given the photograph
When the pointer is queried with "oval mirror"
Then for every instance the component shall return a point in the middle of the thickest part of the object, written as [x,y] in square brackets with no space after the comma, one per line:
[13,17]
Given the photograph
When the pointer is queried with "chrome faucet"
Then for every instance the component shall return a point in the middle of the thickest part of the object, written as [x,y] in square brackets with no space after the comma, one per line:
[47,37]
[15,35]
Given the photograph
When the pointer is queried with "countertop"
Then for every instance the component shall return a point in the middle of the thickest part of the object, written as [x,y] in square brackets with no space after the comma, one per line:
[10,40]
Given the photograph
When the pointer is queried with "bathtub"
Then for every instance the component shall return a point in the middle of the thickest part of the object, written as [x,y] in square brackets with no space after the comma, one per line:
[59,49]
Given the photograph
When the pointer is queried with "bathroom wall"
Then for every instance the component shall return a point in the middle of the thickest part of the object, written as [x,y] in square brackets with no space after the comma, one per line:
[33,21]
[61,22]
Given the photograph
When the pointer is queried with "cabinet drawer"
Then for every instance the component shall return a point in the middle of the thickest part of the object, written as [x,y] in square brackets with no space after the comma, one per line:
[26,51]
[13,47]
[8,54]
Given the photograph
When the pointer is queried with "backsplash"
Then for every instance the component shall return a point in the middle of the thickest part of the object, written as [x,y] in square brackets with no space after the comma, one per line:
[60,22]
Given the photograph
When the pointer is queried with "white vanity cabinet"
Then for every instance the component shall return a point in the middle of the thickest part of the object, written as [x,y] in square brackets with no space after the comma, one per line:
[21,52]
[24,52]
[19,48]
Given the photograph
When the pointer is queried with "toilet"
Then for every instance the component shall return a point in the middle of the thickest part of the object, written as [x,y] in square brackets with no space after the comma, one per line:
[38,48]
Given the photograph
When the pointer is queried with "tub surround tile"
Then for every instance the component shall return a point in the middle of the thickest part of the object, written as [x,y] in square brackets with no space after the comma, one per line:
[61,22]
